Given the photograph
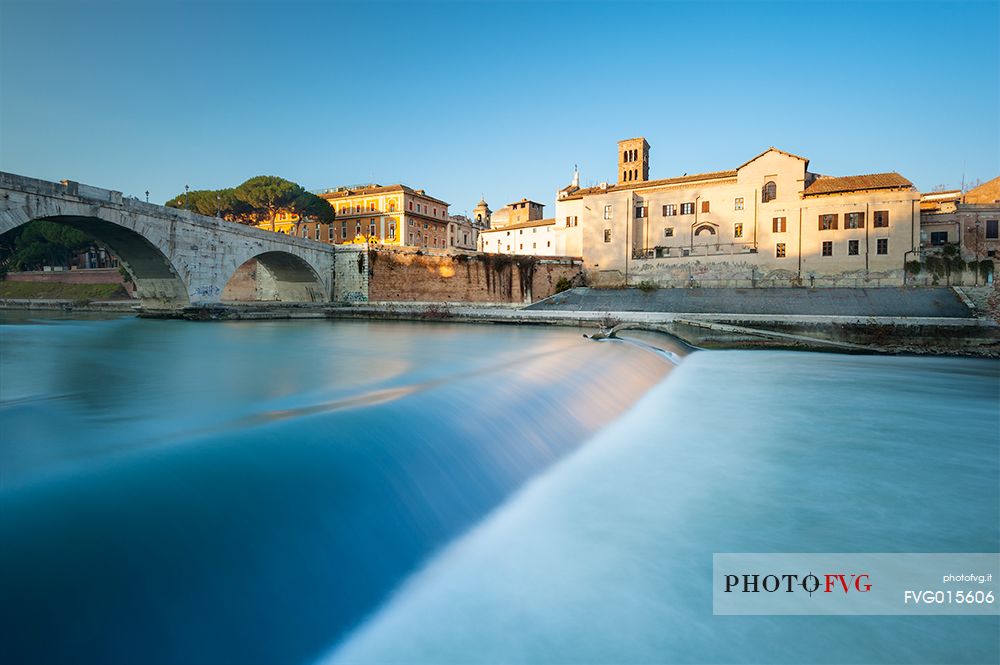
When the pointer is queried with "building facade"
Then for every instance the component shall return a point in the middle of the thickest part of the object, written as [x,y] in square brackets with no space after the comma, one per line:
[518,228]
[970,220]
[770,221]
[283,222]
[389,215]
[463,233]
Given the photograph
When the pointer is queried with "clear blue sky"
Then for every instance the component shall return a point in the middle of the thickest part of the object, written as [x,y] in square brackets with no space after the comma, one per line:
[498,98]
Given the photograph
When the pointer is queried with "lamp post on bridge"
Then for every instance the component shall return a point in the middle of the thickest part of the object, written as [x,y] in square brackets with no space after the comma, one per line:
[147,196]
[186,199]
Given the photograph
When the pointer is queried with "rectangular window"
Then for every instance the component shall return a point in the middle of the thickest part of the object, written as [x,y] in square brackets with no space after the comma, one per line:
[992,229]
[854,220]
[828,222]
[668,232]
[852,247]
[738,203]
[371,229]
[357,229]
[687,208]
[330,233]
[779,250]
[640,211]
[392,231]
[371,206]
[317,232]
[881,220]
[778,225]
[827,248]
[738,231]
[939,237]
[704,206]
[882,246]
[607,235]
[343,230]
[607,212]
[669,210]
[548,243]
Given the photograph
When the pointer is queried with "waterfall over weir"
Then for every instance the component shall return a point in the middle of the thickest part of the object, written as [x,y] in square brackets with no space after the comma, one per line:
[354,492]
[249,492]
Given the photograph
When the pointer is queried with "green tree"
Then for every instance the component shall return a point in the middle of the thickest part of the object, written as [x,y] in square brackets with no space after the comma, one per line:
[41,243]
[268,194]
[309,205]
[201,201]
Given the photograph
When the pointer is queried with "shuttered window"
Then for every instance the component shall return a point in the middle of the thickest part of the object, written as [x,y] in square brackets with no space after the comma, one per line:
[881,220]
[828,222]
[854,220]
[778,225]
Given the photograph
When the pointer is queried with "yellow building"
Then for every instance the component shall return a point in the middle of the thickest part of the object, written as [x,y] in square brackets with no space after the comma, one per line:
[391,215]
[284,222]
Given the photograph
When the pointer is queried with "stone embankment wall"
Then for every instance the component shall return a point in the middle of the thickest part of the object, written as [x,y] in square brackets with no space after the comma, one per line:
[420,276]
[732,272]
[85,276]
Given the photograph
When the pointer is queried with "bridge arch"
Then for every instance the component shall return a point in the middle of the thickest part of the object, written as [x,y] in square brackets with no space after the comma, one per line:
[157,280]
[275,276]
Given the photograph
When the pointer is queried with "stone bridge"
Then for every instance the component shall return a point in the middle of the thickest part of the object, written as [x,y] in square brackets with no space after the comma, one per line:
[180,259]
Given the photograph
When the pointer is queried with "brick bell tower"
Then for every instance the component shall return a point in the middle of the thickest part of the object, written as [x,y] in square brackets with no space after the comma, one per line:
[633,161]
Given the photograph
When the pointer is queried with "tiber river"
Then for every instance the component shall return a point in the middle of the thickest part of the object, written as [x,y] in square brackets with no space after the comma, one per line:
[355,492]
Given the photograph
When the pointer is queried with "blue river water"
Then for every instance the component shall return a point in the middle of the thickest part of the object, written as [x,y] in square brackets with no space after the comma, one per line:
[376,492]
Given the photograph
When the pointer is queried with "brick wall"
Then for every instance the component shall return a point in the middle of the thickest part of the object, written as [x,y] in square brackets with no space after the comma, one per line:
[86,276]
[406,276]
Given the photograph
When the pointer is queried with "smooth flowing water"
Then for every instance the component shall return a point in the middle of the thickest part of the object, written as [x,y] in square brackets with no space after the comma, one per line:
[297,492]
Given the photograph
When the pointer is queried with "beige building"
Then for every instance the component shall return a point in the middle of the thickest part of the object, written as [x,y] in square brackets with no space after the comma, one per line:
[969,220]
[391,215]
[769,222]
[463,233]
[523,231]
[518,212]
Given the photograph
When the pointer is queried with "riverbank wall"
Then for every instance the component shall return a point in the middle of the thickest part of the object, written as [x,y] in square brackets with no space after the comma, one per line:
[406,275]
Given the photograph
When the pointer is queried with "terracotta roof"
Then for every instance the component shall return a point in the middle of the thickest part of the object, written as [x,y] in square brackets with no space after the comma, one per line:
[377,189]
[769,150]
[522,225]
[645,184]
[511,205]
[856,183]
[943,194]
